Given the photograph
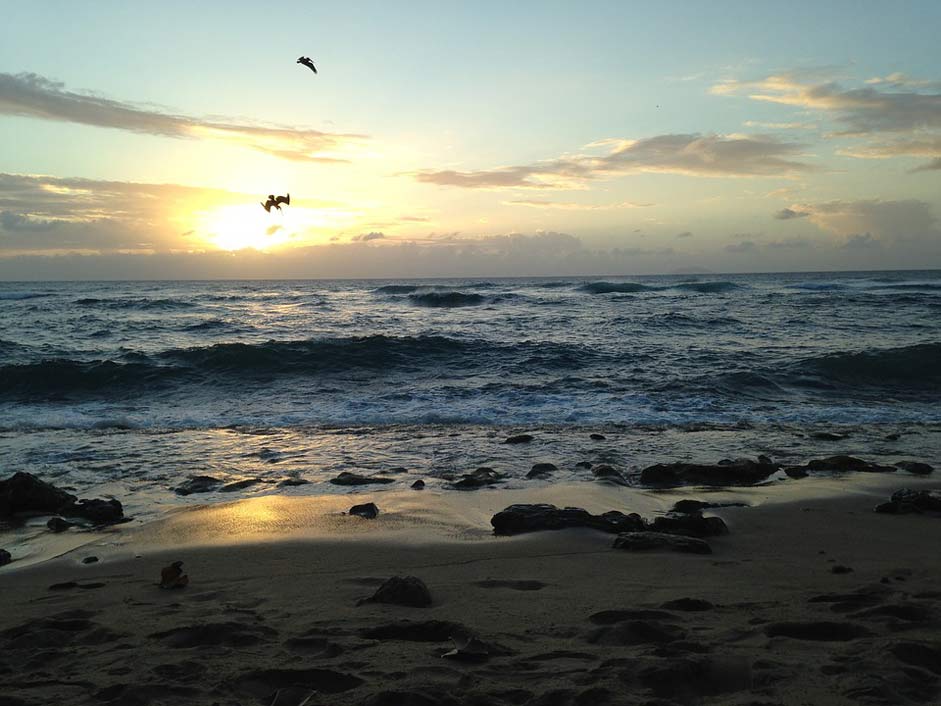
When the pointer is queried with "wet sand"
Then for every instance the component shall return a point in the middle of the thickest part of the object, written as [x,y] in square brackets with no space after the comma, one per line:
[271,616]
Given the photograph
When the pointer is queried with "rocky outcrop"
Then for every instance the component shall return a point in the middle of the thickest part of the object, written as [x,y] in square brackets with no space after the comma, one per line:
[369,511]
[847,463]
[57,524]
[518,519]
[689,525]
[541,470]
[915,467]
[608,474]
[908,501]
[347,478]
[519,439]
[742,471]
[5,557]
[480,478]
[660,541]
[24,493]
[401,590]
[198,484]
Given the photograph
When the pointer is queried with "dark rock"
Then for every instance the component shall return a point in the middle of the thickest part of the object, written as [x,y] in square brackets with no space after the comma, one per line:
[840,569]
[90,560]
[765,461]
[239,485]
[519,439]
[367,510]
[827,436]
[690,506]
[892,437]
[688,604]
[918,469]
[541,470]
[739,472]
[597,437]
[347,478]
[98,511]
[847,463]
[418,485]
[198,484]
[401,590]
[636,632]
[796,472]
[907,501]
[478,479]
[5,557]
[24,492]
[660,541]
[517,519]
[689,525]
[608,474]
[291,482]
[822,631]
[583,464]
[57,524]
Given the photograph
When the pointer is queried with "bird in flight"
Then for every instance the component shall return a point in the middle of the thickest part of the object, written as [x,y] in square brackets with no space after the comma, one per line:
[305,60]
[276,201]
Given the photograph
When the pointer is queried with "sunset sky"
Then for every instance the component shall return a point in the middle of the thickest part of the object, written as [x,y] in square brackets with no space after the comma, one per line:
[477,139]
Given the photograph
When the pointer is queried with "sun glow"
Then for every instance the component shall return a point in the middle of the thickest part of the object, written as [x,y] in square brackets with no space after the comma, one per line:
[248,226]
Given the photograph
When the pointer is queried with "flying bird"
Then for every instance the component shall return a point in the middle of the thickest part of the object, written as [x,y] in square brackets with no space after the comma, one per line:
[275,201]
[305,60]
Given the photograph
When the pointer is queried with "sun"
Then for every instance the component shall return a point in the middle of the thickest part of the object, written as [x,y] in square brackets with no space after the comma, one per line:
[247,226]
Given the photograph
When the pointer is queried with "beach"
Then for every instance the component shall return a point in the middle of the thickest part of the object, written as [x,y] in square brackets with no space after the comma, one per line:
[811,597]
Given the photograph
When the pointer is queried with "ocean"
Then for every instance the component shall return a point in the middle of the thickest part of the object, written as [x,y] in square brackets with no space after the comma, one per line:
[128,388]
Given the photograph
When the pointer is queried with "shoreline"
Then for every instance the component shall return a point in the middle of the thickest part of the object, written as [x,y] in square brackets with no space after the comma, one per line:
[262,616]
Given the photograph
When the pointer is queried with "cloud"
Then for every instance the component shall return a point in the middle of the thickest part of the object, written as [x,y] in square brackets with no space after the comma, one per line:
[861,110]
[786,214]
[789,244]
[906,225]
[691,155]
[921,146]
[572,206]
[10,221]
[744,246]
[929,166]
[900,80]
[34,96]
[366,237]
[781,126]
[684,234]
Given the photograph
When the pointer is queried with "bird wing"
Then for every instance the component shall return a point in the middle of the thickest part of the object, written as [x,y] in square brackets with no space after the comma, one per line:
[283,199]
[305,60]
[266,205]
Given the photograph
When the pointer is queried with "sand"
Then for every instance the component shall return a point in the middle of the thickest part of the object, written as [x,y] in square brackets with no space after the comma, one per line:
[270,614]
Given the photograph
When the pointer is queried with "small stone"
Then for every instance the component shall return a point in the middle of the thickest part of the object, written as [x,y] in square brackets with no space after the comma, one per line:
[418,485]
[368,511]
[840,569]
[408,591]
[291,482]
[90,560]
[519,439]
[597,437]
[57,524]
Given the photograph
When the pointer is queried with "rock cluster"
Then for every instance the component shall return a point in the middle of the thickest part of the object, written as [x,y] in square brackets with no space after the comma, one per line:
[907,501]
[25,494]
[741,471]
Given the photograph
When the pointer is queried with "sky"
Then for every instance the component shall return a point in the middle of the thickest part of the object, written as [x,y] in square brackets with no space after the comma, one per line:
[443,139]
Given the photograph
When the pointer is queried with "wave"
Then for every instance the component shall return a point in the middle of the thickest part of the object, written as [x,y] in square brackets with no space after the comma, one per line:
[616,288]
[446,299]
[210,325]
[17,296]
[818,286]
[144,304]
[908,366]
[708,287]
[396,289]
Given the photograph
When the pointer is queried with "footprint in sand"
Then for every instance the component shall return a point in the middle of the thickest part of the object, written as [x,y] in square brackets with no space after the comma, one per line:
[516,585]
